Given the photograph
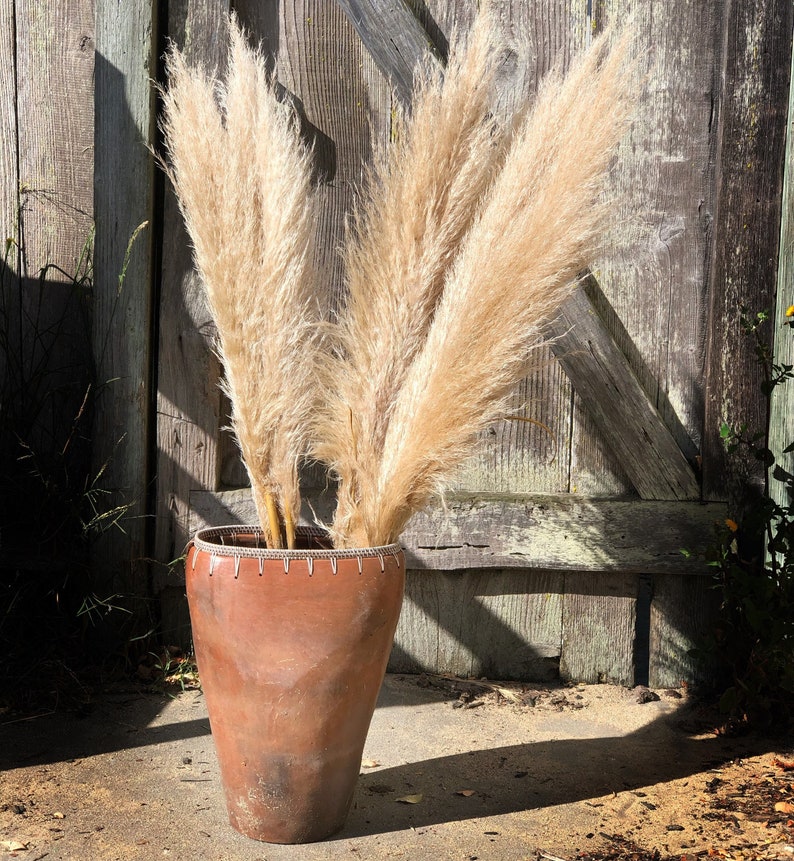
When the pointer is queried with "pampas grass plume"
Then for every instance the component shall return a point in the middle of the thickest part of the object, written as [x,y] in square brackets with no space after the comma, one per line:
[243,180]
[538,223]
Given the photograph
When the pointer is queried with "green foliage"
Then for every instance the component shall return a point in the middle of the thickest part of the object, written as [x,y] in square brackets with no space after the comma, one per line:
[754,569]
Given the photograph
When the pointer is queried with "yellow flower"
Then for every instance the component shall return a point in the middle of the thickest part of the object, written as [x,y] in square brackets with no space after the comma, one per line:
[731,524]
[790,311]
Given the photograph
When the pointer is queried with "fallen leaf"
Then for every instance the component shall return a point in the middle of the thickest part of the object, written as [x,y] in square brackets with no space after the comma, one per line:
[369,763]
[14,846]
[784,807]
[411,799]
[467,793]
[786,765]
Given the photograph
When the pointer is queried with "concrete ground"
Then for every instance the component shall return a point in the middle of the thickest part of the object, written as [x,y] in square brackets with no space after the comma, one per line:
[137,778]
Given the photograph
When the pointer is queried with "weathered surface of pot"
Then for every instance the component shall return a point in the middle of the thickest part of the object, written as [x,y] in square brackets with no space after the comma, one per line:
[292,648]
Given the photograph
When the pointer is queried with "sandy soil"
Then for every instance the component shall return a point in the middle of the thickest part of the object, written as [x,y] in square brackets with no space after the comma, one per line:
[451,770]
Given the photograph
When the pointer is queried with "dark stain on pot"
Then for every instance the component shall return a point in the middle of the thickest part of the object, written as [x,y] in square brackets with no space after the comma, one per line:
[276,783]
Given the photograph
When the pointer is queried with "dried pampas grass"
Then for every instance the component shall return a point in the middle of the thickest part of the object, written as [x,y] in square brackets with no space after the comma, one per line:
[466,239]
[243,180]
[535,227]
[420,199]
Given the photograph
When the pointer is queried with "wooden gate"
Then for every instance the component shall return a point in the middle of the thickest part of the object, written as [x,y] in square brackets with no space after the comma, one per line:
[558,552]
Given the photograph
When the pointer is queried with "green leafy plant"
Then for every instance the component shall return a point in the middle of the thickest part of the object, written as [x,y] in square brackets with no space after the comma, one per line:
[754,566]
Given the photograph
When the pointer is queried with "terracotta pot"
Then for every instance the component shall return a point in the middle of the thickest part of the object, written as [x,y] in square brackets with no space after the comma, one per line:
[291,647]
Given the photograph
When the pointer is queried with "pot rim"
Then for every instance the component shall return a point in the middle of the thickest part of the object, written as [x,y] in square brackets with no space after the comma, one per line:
[213,540]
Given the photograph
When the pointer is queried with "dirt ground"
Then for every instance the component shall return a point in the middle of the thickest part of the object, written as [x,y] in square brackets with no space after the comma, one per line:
[451,770]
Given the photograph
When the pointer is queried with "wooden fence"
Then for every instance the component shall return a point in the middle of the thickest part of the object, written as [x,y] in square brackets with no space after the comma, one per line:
[557,554]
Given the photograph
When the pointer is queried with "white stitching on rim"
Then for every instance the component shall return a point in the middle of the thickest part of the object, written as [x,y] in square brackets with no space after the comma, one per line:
[210,539]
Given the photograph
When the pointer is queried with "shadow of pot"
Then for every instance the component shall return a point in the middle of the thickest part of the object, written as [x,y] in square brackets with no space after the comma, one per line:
[292,647]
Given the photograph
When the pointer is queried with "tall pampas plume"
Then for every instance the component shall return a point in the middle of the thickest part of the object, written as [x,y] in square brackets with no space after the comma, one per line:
[536,222]
[420,198]
[242,177]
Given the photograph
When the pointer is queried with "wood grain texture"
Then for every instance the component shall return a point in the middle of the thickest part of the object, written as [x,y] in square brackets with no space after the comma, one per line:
[188,405]
[619,406]
[498,624]
[123,200]
[546,532]
[654,267]
[9,169]
[46,169]
[393,36]
[188,398]
[322,61]
[781,424]
[683,614]
[750,158]
[599,628]
[55,116]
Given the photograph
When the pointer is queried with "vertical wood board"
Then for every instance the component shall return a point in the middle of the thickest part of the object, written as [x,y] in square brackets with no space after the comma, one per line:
[55,68]
[123,200]
[683,614]
[599,616]
[47,207]
[781,425]
[9,170]
[188,399]
[752,126]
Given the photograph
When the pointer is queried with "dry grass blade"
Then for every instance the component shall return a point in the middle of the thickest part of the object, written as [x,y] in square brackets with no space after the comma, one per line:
[537,227]
[242,178]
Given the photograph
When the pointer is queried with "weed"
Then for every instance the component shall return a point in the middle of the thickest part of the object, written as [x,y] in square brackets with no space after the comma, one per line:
[753,561]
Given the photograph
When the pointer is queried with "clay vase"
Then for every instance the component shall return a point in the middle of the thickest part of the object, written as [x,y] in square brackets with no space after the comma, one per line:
[291,647]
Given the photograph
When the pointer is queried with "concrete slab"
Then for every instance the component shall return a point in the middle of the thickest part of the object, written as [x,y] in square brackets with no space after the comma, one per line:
[138,778]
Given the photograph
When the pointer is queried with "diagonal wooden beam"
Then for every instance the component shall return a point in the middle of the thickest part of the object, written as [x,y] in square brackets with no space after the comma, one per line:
[616,400]
[393,36]
[597,368]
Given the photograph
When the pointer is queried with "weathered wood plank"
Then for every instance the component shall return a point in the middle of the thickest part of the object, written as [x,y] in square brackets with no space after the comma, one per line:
[499,624]
[683,613]
[781,425]
[47,210]
[393,36]
[599,628]
[54,104]
[548,532]
[618,404]
[654,267]
[188,373]
[321,60]
[123,200]
[752,128]
[9,203]
[188,398]
[9,171]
